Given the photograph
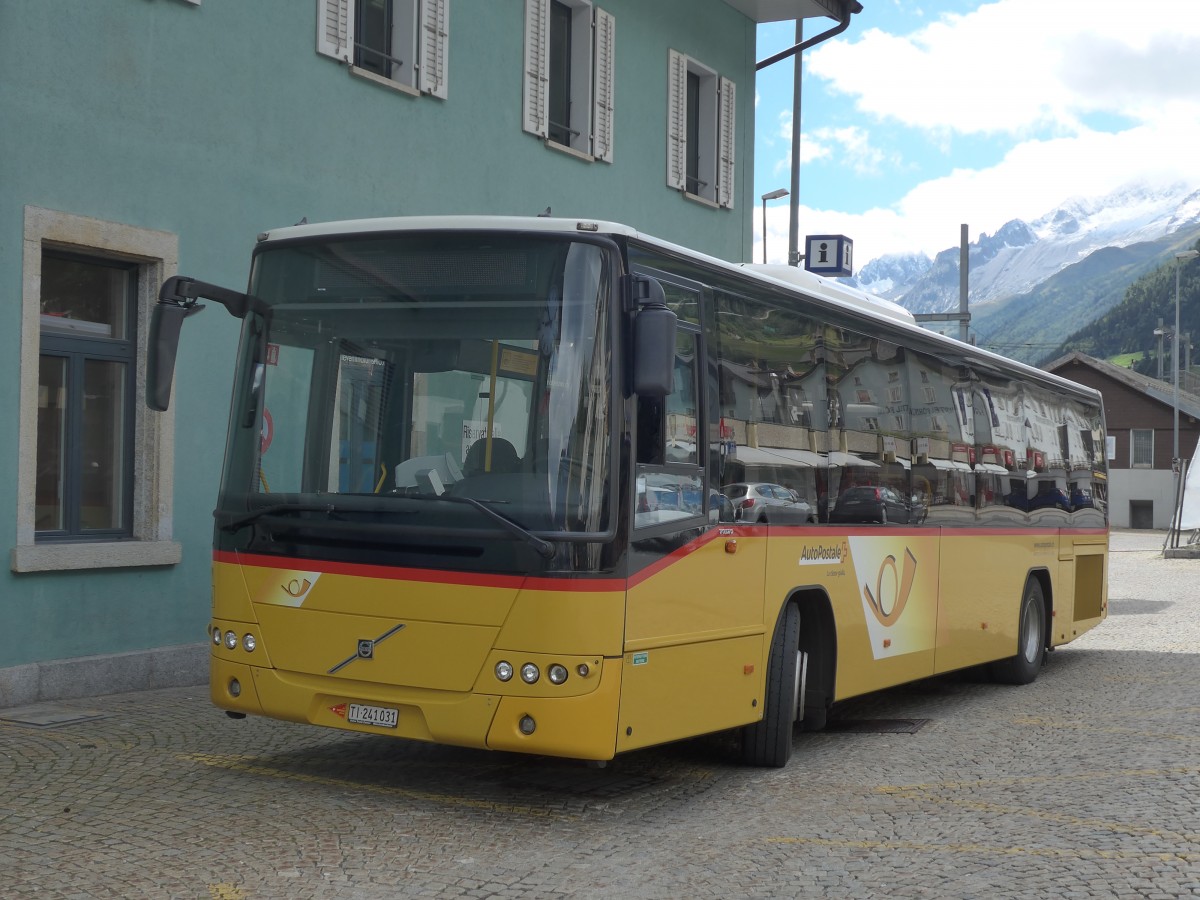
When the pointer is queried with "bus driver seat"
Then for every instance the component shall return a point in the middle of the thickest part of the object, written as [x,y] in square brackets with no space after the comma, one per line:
[504,457]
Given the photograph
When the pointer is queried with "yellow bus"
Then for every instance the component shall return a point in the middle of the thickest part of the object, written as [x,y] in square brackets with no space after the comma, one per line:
[556,487]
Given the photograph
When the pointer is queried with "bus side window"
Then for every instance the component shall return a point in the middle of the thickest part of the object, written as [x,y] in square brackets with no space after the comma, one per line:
[669,476]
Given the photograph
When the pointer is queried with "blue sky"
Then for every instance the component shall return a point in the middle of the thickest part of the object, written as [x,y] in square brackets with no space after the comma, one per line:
[925,115]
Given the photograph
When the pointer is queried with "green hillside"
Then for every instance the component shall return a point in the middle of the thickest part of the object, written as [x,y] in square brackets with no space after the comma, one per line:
[1128,328]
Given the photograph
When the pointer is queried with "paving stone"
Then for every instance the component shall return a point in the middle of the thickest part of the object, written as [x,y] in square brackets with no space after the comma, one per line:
[1084,784]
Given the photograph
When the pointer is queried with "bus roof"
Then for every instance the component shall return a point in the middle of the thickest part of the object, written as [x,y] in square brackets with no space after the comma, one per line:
[789,277]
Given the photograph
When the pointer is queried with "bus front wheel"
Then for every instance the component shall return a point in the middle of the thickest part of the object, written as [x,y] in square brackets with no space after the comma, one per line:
[1031,640]
[769,742]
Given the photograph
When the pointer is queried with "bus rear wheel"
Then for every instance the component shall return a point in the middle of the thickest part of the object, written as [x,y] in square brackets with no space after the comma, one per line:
[1031,640]
[769,741]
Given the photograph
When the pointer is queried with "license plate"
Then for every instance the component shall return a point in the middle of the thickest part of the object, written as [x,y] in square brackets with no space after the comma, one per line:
[379,716]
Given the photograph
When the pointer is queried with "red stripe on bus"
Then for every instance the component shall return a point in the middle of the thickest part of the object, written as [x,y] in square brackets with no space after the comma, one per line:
[433,576]
[596,585]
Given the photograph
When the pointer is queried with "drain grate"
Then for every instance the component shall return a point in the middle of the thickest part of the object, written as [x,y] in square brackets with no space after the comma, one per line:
[876,726]
[48,716]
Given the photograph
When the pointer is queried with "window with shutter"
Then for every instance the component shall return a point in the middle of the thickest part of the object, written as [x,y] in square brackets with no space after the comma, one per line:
[568,98]
[725,143]
[604,108]
[435,44]
[396,42]
[335,35]
[701,131]
[677,149]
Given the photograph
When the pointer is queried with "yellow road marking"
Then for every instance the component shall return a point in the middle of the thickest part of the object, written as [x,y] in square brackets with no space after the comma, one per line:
[1037,779]
[1082,725]
[226,891]
[240,764]
[929,793]
[1065,853]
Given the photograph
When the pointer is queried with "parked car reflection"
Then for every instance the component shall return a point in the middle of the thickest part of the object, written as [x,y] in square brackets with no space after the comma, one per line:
[874,503]
[767,502]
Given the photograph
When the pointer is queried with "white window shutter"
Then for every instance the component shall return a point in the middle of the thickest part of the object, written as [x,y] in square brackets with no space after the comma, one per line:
[604,59]
[726,141]
[535,111]
[335,29]
[433,46]
[677,122]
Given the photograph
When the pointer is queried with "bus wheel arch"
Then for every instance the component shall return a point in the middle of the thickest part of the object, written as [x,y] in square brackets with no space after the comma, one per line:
[1033,632]
[818,641]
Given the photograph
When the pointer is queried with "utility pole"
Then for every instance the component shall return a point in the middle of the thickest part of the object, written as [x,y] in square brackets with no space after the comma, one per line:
[963,316]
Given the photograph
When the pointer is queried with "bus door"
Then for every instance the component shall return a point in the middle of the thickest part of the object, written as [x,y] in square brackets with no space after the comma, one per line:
[695,608]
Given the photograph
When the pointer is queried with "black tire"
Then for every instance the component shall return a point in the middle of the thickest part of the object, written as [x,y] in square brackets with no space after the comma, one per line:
[769,741]
[1031,640]
[816,716]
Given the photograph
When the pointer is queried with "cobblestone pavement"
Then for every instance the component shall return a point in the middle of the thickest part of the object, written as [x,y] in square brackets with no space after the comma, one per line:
[1084,784]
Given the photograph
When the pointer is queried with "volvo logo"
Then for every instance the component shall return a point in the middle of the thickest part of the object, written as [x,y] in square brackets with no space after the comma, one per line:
[366,648]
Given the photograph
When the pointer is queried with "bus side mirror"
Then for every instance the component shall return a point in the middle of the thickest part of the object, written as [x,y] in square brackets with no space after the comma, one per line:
[165,323]
[177,299]
[653,342]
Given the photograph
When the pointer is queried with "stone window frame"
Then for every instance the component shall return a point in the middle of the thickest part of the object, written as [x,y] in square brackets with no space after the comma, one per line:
[156,254]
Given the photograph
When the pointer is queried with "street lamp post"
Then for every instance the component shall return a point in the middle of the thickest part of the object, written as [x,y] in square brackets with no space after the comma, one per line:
[769,195]
[1179,259]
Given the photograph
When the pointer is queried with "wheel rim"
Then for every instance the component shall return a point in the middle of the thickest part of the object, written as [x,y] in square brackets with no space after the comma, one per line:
[1031,638]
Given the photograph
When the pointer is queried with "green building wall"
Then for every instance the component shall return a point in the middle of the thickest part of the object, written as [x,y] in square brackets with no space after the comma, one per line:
[218,120]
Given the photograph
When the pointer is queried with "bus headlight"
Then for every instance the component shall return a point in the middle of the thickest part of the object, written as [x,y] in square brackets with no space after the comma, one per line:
[504,670]
[216,636]
[557,674]
[530,673]
[230,640]
[249,642]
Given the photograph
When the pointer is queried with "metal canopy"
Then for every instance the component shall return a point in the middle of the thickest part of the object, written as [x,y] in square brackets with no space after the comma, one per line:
[787,10]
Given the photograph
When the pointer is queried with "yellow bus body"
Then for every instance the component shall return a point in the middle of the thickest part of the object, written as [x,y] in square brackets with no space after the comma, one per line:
[678,649]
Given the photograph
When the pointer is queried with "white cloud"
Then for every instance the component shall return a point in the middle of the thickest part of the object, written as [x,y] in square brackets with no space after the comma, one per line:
[850,144]
[1032,179]
[1015,66]
[1048,75]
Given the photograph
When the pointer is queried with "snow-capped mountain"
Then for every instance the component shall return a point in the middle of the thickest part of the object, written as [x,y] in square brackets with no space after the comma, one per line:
[1022,255]
[892,275]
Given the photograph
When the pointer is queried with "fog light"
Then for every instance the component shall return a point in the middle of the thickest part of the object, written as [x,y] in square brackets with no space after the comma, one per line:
[249,643]
[583,670]
[527,725]
[216,636]
[235,688]
[557,674]
[504,670]
[530,673]
[230,640]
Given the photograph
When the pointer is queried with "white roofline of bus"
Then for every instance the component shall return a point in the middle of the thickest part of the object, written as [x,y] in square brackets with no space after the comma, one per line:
[435,223]
[794,279]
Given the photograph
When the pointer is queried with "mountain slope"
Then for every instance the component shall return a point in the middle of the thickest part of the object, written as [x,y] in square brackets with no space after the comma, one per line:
[1030,327]
[1129,327]
[1021,256]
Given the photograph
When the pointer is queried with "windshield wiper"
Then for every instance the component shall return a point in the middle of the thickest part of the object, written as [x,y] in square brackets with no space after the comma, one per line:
[543,547]
[275,508]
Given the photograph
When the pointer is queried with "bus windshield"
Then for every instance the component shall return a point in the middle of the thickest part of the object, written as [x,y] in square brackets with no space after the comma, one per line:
[388,372]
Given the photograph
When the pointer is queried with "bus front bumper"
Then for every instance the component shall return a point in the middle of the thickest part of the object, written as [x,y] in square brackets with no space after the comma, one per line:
[576,727]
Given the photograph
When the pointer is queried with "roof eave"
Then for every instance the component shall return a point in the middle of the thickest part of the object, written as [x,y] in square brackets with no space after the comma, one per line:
[787,10]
